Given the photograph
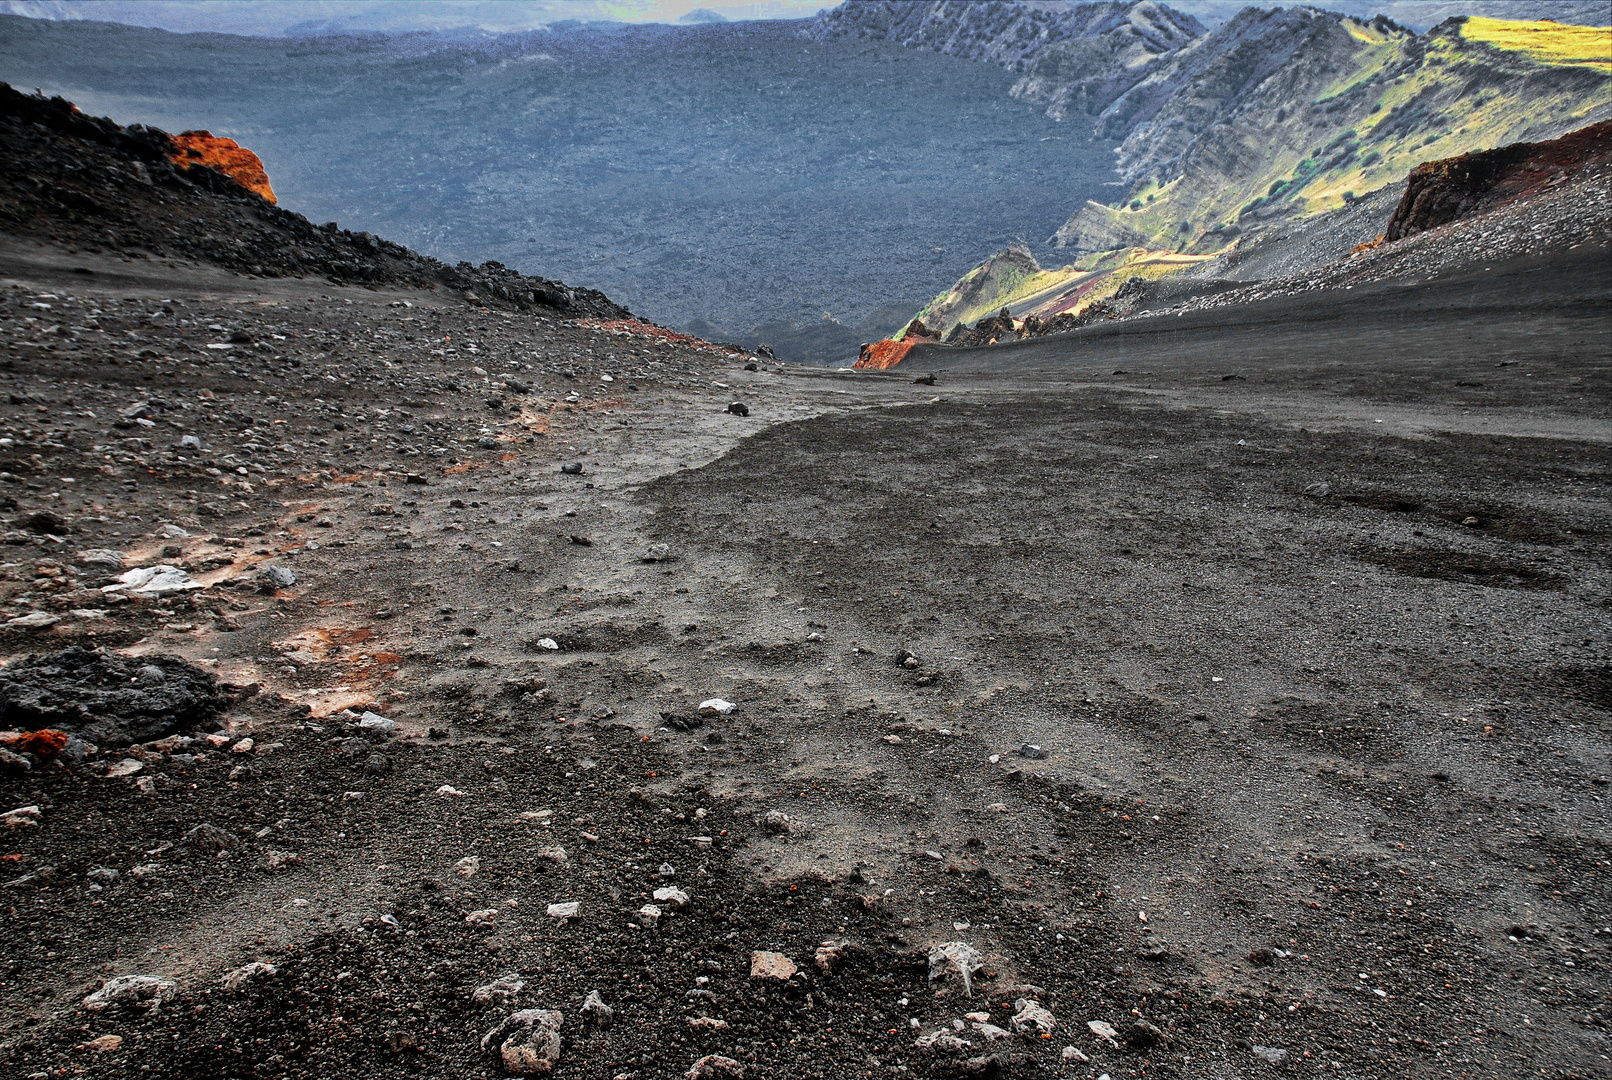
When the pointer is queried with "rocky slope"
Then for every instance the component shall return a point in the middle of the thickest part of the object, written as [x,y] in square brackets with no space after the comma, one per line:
[1073,58]
[1279,115]
[94,185]
[192,148]
[1439,192]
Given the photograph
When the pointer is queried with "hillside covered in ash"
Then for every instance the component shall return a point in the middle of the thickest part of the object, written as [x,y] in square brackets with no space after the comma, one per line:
[736,174]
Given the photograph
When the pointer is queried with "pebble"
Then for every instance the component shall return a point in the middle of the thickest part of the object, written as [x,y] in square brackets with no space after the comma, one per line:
[375,723]
[37,620]
[738,408]
[714,1067]
[501,990]
[467,867]
[707,1023]
[279,577]
[527,1041]
[1032,1016]
[126,767]
[246,973]
[131,990]
[1273,1055]
[1074,1053]
[943,1042]
[451,791]
[103,1044]
[595,1011]
[716,707]
[777,822]
[567,910]
[23,817]
[547,643]
[1032,751]
[647,916]
[672,897]
[482,917]
[959,957]
[828,955]
[771,965]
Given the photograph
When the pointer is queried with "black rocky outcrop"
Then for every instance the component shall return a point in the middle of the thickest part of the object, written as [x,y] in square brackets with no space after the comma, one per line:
[91,184]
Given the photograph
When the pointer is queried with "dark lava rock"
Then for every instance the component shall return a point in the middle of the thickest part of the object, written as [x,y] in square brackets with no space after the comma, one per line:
[105,698]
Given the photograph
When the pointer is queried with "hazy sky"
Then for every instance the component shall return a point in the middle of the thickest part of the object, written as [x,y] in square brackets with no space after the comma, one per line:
[274,17]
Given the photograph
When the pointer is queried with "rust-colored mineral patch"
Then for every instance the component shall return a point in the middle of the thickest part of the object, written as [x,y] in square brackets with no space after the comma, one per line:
[227,156]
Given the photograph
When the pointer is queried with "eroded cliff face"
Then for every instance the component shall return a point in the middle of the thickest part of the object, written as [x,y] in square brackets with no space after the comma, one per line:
[1439,192]
[235,161]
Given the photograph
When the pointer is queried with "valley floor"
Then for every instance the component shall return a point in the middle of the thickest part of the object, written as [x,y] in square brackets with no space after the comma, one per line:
[1258,701]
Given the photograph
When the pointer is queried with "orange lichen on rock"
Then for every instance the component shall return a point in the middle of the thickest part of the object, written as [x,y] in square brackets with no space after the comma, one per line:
[227,156]
[44,744]
[883,354]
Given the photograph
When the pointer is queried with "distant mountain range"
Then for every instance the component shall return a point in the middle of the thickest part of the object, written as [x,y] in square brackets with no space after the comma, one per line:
[1229,136]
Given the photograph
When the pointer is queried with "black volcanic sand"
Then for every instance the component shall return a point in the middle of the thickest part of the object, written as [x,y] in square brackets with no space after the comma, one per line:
[1325,766]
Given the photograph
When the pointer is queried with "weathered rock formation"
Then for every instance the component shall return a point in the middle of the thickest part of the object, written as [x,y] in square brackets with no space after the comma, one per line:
[193,148]
[1439,192]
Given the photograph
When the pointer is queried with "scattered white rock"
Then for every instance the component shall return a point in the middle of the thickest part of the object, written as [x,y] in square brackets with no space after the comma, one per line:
[554,855]
[482,917]
[23,817]
[1103,1030]
[467,867]
[943,1042]
[279,860]
[547,643]
[671,897]
[776,821]
[716,707]
[501,990]
[102,1044]
[567,910]
[1273,1055]
[527,1041]
[1032,1018]
[828,955]
[959,957]
[647,916]
[771,965]
[131,990]
[595,1011]
[990,1032]
[707,1023]
[1074,1053]
[36,620]
[376,723]
[446,789]
[245,746]
[714,1067]
[246,973]
[153,581]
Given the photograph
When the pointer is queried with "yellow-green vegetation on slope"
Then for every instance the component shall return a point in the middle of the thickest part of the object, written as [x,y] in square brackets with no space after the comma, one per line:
[1012,279]
[1546,42]
[1355,108]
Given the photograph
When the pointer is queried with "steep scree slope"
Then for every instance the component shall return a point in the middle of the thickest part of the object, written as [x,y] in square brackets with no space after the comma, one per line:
[1073,58]
[87,182]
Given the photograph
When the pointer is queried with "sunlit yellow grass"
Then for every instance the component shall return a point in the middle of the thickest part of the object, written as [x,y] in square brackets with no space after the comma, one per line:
[1546,42]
